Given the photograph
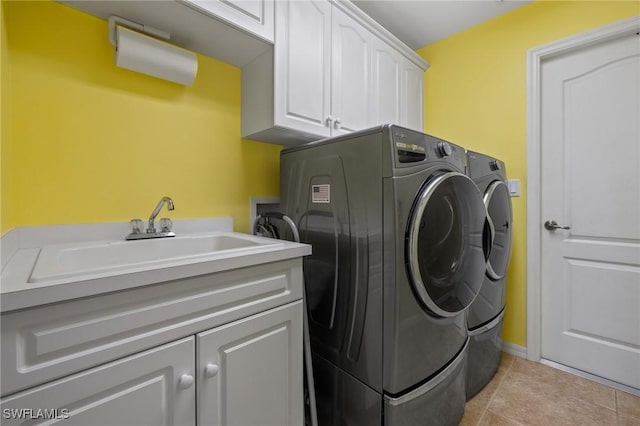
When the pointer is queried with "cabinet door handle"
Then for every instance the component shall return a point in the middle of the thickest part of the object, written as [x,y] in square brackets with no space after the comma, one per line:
[210,370]
[186,380]
[336,123]
[328,121]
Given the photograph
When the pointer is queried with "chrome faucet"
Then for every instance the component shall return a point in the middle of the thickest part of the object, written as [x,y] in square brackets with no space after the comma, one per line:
[137,232]
[151,228]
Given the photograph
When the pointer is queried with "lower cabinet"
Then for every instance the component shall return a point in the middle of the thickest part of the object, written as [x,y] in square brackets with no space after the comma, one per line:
[247,372]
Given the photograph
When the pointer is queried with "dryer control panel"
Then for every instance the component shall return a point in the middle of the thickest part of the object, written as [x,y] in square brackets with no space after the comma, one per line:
[412,147]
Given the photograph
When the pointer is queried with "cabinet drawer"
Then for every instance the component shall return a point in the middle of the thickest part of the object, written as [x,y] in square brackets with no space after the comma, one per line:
[52,341]
[143,389]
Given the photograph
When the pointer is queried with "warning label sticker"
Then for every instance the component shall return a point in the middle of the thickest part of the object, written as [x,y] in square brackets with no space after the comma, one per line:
[321,193]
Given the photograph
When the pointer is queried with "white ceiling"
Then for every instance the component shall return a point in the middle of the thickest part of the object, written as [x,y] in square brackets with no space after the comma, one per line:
[422,22]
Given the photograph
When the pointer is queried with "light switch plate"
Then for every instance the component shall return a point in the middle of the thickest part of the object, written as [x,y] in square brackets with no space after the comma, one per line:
[514,187]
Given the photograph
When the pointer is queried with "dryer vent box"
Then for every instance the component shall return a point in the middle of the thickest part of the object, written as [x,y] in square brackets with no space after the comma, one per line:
[263,205]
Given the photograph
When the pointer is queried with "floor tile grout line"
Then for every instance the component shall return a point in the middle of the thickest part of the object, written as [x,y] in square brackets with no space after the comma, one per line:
[500,383]
[486,408]
[484,412]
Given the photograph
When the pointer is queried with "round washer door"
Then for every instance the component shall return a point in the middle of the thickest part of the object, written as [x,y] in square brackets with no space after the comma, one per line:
[498,203]
[444,254]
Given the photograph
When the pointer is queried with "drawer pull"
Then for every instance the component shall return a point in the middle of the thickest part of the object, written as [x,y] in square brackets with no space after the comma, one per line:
[211,370]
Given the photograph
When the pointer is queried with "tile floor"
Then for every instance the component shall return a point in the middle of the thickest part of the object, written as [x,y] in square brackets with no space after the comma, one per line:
[528,393]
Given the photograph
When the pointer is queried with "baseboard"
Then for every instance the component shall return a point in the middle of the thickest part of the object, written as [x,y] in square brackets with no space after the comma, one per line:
[515,350]
[597,379]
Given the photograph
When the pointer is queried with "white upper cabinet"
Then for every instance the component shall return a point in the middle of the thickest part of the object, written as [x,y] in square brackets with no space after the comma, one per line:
[302,66]
[232,31]
[397,94]
[411,96]
[387,67]
[333,70]
[253,16]
[350,74]
[322,68]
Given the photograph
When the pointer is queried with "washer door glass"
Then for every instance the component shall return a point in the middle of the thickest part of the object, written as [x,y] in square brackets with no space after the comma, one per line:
[445,258]
[498,203]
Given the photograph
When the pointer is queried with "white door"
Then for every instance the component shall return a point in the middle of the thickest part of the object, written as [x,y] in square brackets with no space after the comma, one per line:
[302,60]
[590,115]
[351,74]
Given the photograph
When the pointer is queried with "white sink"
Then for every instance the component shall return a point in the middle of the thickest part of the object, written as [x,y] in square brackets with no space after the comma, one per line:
[99,257]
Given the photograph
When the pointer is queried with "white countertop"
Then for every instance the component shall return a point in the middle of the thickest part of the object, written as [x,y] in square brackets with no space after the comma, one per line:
[17,292]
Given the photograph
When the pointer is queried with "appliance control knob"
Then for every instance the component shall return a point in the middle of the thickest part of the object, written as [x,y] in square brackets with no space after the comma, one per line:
[443,149]
[494,165]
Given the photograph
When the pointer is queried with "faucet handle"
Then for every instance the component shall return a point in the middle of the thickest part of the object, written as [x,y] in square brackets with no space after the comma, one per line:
[165,224]
[137,226]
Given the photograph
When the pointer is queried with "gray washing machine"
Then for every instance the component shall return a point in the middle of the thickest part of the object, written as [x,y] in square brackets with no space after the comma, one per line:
[396,229]
[486,313]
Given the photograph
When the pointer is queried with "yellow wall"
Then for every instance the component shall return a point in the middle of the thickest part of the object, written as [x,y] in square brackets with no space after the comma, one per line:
[5,118]
[91,142]
[475,95]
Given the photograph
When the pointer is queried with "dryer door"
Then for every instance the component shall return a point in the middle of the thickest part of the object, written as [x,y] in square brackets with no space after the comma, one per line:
[444,253]
[498,203]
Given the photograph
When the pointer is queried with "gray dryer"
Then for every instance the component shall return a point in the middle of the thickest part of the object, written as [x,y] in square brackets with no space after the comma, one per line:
[486,313]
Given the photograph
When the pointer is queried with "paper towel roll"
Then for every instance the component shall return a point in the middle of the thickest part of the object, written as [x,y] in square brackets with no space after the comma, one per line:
[141,53]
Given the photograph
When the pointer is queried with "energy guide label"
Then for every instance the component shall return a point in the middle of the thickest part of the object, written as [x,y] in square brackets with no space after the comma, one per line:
[321,193]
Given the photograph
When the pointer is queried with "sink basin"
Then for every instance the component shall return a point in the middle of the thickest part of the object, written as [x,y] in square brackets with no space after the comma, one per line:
[69,260]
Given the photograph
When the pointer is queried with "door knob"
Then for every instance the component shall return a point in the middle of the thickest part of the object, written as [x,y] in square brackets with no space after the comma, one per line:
[552,225]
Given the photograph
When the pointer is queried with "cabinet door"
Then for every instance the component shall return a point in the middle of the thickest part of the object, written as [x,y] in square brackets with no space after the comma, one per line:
[250,371]
[302,56]
[155,387]
[411,96]
[253,16]
[387,64]
[350,74]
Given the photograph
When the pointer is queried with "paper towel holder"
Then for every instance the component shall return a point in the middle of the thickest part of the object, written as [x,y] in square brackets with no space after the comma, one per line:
[157,57]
